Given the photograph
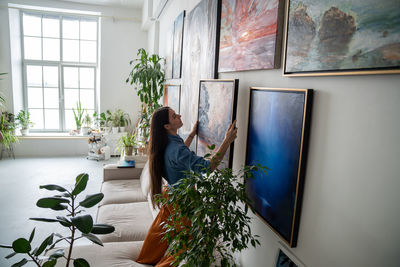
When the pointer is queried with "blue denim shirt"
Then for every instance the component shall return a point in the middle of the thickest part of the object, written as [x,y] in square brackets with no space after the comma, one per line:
[178,158]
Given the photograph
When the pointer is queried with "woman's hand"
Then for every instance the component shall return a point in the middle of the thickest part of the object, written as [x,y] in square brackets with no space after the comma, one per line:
[194,130]
[231,134]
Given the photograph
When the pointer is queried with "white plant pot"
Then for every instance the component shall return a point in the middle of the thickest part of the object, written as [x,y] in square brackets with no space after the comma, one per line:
[85,130]
[115,130]
[24,131]
[122,129]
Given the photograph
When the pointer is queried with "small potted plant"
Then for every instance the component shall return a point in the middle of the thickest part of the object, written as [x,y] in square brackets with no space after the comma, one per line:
[127,143]
[78,116]
[115,119]
[88,122]
[23,120]
[124,120]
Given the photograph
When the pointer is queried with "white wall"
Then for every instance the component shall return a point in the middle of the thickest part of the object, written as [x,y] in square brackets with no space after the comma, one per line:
[120,38]
[350,214]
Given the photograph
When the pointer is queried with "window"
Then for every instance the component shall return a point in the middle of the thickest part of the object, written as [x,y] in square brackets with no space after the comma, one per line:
[60,66]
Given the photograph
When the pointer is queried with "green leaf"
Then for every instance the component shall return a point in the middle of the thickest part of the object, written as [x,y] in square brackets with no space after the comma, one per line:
[5,246]
[21,245]
[43,220]
[81,182]
[102,229]
[64,221]
[91,200]
[83,223]
[11,255]
[44,244]
[59,207]
[81,263]
[50,263]
[20,263]
[93,238]
[32,235]
[57,254]
[52,187]
[50,202]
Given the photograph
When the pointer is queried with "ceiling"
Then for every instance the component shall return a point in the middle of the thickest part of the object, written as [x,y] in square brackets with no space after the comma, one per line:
[111,3]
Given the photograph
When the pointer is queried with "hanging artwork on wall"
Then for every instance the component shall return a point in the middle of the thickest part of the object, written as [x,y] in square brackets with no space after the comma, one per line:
[215,115]
[178,42]
[169,43]
[172,96]
[333,37]
[251,34]
[277,138]
[284,261]
[199,57]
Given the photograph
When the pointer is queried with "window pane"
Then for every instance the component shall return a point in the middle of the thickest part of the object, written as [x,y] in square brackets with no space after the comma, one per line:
[51,118]
[71,77]
[35,97]
[51,27]
[36,118]
[32,48]
[71,97]
[34,75]
[86,78]
[50,76]
[32,25]
[50,98]
[88,51]
[87,98]
[88,30]
[70,50]
[69,120]
[51,49]
[70,28]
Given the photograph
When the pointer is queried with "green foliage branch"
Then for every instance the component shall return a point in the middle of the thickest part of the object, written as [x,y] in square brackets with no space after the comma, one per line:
[7,129]
[23,119]
[216,205]
[64,200]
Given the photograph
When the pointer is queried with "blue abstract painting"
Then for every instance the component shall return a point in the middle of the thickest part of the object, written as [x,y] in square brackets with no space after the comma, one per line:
[275,139]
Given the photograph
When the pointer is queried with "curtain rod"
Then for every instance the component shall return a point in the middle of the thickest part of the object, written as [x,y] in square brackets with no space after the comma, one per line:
[72,13]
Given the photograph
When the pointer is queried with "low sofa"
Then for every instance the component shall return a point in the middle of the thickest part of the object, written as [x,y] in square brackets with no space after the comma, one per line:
[127,206]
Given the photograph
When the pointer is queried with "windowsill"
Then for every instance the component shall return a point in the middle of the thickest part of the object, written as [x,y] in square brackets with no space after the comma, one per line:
[51,136]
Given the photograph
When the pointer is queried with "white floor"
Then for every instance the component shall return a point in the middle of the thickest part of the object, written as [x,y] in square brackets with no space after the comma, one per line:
[19,190]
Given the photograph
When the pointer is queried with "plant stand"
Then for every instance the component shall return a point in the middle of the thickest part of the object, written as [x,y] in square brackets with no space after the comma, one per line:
[10,151]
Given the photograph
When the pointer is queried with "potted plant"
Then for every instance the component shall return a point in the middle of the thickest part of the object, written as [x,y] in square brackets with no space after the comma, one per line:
[127,143]
[77,223]
[216,205]
[115,119]
[24,121]
[7,129]
[78,116]
[148,77]
[87,120]
[124,120]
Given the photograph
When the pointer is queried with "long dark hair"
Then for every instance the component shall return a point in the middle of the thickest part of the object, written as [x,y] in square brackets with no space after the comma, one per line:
[157,145]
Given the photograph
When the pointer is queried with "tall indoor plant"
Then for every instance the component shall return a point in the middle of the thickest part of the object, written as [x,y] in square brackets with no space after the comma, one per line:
[209,221]
[78,115]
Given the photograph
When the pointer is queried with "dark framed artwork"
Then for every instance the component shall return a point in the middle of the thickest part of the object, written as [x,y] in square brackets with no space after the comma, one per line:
[277,137]
[169,43]
[172,96]
[284,261]
[217,110]
[178,42]
[333,37]
[251,35]
[199,58]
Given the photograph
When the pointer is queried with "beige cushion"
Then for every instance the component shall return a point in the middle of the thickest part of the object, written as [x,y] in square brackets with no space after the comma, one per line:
[120,254]
[112,172]
[121,191]
[145,179]
[131,221]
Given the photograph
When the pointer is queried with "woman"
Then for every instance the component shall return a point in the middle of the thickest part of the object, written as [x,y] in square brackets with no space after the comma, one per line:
[169,155]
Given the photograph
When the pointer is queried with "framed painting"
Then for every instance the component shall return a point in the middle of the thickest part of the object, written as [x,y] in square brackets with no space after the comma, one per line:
[251,34]
[277,138]
[172,96]
[284,261]
[336,37]
[215,115]
[169,42]
[199,57]
[178,42]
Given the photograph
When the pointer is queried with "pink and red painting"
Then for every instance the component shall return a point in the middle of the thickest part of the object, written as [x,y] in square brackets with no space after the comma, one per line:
[250,36]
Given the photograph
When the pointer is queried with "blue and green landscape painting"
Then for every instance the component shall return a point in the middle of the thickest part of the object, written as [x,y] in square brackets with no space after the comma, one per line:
[274,140]
[327,35]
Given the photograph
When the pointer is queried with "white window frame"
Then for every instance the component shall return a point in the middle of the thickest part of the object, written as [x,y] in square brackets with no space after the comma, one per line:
[60,64]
